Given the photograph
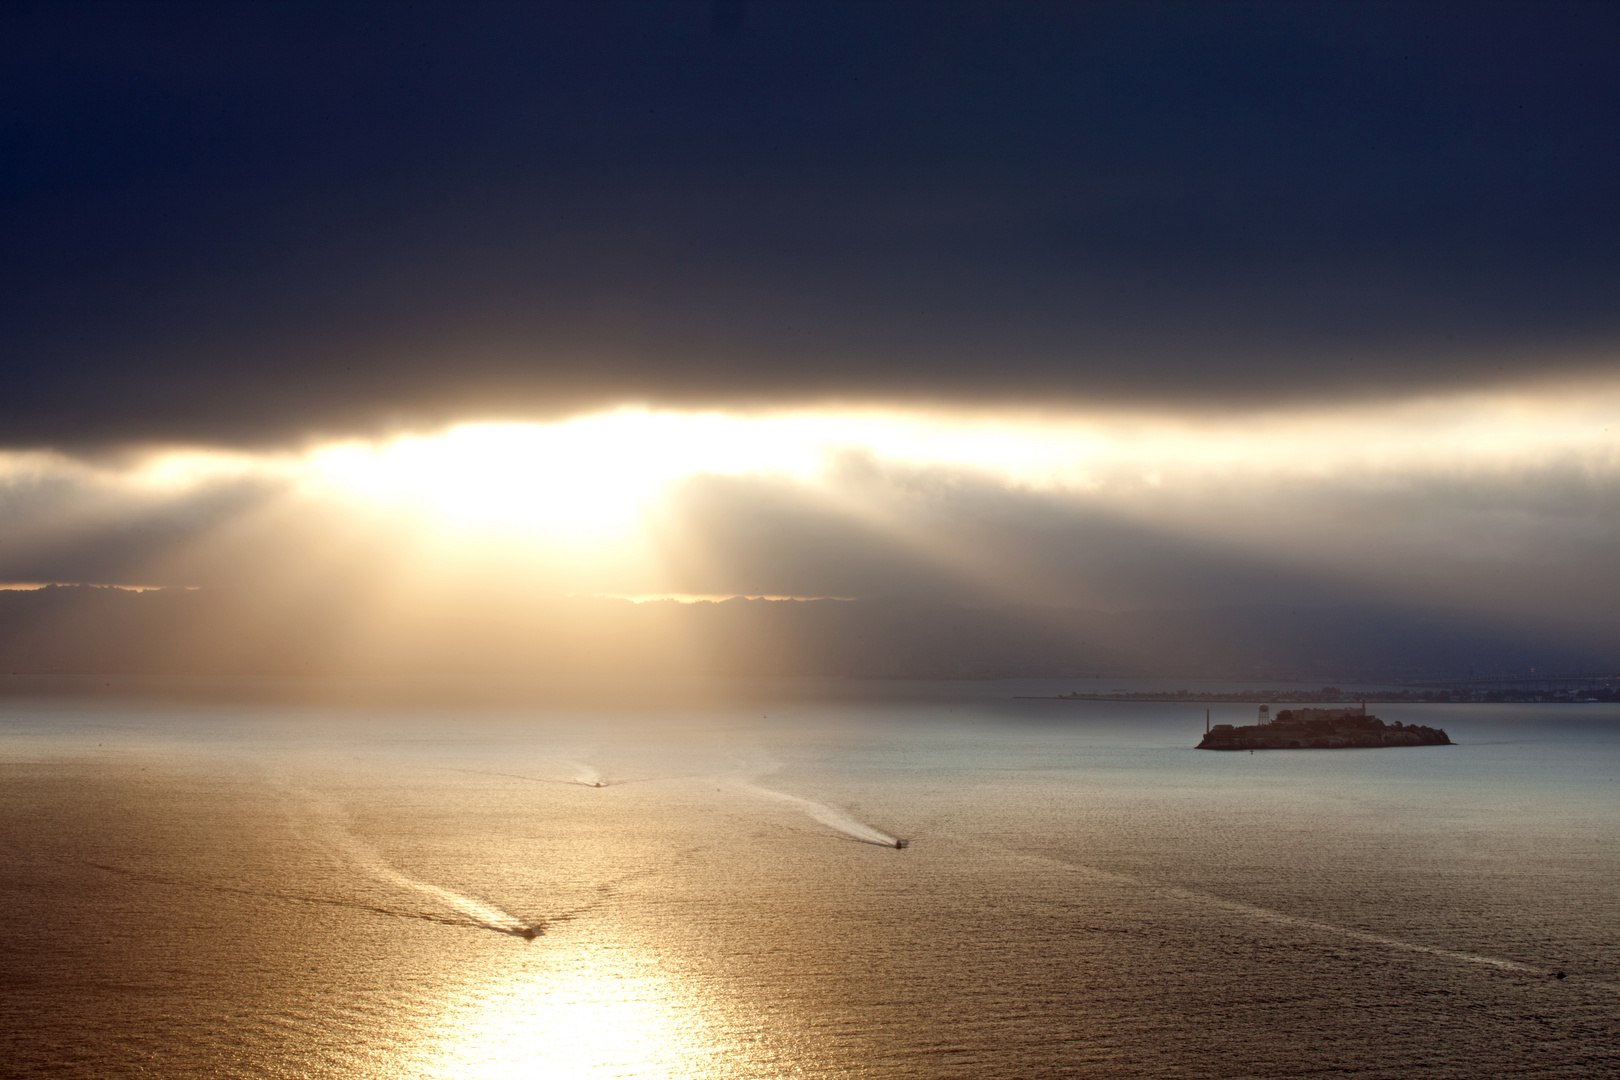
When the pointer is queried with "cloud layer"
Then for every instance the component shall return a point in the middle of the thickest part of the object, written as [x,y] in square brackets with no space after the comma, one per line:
[1506,502]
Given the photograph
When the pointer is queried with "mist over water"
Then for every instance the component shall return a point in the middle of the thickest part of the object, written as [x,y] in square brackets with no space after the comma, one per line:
[301,891]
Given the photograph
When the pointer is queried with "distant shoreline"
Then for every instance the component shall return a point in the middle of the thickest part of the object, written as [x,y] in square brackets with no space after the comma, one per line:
[1305,697]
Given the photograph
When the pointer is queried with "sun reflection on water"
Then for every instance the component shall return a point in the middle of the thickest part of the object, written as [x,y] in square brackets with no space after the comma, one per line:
[574,1016]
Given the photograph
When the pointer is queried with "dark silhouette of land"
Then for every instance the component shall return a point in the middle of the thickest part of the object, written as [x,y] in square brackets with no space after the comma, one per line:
[1523,687]
[1321,729]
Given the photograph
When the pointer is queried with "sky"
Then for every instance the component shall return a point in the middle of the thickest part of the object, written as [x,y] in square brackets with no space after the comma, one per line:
[1115,306]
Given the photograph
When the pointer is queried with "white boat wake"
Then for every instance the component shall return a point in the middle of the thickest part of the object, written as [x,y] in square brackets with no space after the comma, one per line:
[584,773]
[332,832]
[830,816]
[474,911]
[1278,918]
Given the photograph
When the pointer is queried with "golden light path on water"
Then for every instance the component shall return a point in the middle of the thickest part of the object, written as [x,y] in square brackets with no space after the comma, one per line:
[583,1013]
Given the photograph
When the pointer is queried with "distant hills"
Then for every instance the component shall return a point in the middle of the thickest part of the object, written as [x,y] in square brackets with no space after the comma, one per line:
[89,629]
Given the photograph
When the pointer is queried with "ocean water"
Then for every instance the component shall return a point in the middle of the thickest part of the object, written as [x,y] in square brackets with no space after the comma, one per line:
[203,890]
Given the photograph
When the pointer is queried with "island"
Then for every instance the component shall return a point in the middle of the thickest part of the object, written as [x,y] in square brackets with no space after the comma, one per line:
[1319,729]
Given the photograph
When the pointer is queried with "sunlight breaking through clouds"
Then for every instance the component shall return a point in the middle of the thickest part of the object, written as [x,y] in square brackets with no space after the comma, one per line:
[597,473]
[641,502]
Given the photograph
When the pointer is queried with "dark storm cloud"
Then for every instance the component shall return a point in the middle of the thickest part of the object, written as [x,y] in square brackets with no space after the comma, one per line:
[249,222]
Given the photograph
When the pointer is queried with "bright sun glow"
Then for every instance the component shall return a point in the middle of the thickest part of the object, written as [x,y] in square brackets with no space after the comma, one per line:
[589,475]
[593,479]
[596,475]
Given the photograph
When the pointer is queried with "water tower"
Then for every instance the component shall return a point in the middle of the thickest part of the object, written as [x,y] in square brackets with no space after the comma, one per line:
[1265,714]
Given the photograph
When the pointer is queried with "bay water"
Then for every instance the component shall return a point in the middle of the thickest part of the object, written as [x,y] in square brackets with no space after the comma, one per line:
[205,889]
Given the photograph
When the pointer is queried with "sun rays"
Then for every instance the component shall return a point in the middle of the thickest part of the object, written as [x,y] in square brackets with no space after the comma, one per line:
[640,502]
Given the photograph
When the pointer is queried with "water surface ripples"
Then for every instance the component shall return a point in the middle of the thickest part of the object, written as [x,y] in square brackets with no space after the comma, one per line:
[264,893]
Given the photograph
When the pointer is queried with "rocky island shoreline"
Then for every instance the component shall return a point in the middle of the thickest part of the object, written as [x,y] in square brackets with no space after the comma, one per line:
[1319,729]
